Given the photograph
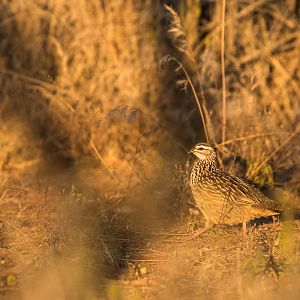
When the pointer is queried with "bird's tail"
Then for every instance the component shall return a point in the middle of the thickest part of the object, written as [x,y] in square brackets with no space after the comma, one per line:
[283,201]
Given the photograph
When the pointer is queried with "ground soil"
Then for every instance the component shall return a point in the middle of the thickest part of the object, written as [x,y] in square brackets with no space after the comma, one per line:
[62,237]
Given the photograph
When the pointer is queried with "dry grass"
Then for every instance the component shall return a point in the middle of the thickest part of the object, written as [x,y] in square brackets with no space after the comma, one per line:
[257,99]
[94,201]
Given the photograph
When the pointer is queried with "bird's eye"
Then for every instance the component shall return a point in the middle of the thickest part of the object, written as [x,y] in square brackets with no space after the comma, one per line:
[201,148]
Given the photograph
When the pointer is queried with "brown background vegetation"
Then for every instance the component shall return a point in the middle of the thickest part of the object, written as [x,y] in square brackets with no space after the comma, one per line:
[96,116]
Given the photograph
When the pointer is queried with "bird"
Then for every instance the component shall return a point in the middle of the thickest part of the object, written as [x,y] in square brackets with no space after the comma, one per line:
[222,197]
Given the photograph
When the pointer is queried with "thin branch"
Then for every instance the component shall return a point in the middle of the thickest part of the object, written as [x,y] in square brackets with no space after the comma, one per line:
[243,13]
[255,170]
[243,138]
[285,74]
[268,49]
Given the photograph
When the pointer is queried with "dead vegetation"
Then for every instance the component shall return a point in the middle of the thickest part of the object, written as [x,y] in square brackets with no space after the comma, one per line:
[94,134]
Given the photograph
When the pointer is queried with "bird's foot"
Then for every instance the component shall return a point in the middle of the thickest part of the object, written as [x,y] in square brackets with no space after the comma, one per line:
[198,232]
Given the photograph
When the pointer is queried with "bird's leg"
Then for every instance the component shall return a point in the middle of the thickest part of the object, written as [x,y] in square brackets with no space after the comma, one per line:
[275,220]
[244,228]
[198,232]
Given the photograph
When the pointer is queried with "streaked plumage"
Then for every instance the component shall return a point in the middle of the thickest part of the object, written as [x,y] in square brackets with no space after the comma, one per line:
[224,198]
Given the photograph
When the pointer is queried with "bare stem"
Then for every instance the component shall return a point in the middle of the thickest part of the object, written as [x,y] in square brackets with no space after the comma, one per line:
[196,98]
[223,71]
[102,160]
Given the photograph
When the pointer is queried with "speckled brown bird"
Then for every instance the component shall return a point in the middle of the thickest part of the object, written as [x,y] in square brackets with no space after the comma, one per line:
[224,198]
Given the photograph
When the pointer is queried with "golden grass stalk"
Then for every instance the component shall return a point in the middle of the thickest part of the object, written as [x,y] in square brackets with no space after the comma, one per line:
[177,33]
[223,72]
[179,39]
[183,84]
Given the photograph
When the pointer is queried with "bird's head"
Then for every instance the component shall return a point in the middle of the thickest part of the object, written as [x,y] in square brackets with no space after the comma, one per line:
[204,151]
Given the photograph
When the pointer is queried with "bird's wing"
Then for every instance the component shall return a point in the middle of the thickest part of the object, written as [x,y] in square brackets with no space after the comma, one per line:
[240,192]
